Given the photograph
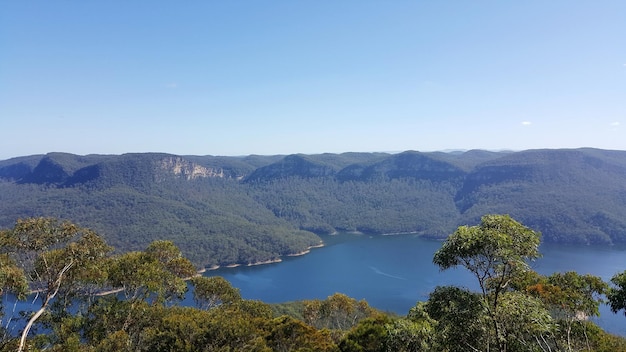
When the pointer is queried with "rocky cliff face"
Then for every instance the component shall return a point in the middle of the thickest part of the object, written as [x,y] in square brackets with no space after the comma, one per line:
[63,170]
[187,169]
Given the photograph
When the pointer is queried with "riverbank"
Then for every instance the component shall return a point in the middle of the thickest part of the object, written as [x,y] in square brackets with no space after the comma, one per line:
[306,251]
[264,262]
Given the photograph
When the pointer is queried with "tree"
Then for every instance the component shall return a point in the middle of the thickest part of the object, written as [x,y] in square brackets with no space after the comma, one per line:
[154,276]
[177,329]
[495,252]
[288,334]
[170,256]
[524,322]
[53,268]
[409,335]
[571,298]
[12,278]
[459,315]
[617,293]
[370,334]
[157,273]
[338,311]
[210,292]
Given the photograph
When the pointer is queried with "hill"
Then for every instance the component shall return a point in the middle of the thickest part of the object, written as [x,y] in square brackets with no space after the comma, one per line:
[225,210]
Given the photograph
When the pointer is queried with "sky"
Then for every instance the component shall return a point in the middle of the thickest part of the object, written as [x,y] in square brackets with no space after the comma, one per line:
[310,76]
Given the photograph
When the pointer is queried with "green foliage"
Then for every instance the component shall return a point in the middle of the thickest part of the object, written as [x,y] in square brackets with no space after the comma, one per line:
[460,316]
[211,292]
[370,334]
[171,258]
[287,334]
[254,308]
[617,293]
[495,251]
[406,335]
[77,267]
[523,322]
[109,316]
[554,192]
[518,309]
[382,333]
[57,268]
[12,278]
[38,234]
[571,298]
[597,339]
[338,312]
[226,210]
[577,294]
[177,330]
[294,309]
[157,273]
[214,221]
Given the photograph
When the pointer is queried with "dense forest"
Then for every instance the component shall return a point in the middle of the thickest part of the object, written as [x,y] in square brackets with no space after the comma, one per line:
[71,269]
[225,210]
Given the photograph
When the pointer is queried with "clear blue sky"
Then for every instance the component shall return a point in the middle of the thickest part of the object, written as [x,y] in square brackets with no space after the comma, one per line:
[281,77]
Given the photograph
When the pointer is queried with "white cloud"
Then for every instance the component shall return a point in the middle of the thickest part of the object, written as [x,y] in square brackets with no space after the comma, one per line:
[173,85]
[526,123]
[615,124]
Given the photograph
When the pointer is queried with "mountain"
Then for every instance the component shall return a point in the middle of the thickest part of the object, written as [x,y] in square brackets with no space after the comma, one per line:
[413,165]
[225,210]
[570,195]
[291,166]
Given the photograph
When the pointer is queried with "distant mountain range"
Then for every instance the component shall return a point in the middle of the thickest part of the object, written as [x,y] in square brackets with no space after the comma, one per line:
[227,210]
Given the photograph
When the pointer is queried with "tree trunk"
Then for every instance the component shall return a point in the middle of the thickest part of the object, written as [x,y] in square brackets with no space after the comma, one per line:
[44,305]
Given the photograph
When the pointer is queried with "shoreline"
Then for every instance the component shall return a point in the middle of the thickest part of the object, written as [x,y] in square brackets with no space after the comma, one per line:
[401,233]
[263,262]
[306,251]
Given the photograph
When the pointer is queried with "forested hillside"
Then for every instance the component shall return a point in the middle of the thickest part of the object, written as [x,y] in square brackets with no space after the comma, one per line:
[225,210]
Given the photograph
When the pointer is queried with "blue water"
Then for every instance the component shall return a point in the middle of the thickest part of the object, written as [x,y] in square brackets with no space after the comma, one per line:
[393,273]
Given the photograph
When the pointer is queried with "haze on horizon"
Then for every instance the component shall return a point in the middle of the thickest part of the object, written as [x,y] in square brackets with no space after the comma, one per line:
[283,77]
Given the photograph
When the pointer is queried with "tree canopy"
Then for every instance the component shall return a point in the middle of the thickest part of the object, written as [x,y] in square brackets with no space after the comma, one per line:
[72,268]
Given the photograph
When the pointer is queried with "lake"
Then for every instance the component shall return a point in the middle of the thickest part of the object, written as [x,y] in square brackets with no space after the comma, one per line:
[392,273]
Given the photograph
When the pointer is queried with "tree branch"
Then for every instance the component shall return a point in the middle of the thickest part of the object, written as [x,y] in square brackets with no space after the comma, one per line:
[44,305]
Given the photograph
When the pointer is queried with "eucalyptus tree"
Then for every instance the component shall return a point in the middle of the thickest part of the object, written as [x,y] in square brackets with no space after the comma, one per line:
[287,334]
[571,298]
[57,257]
[12,280]
[156,274]
[337,312]
[147,280]
[617,293]
[211,292]
[370,334]
[496,252]
[410,335]
[459,316]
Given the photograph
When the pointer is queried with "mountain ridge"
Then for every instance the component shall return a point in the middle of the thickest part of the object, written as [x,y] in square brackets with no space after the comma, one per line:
[227,210]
